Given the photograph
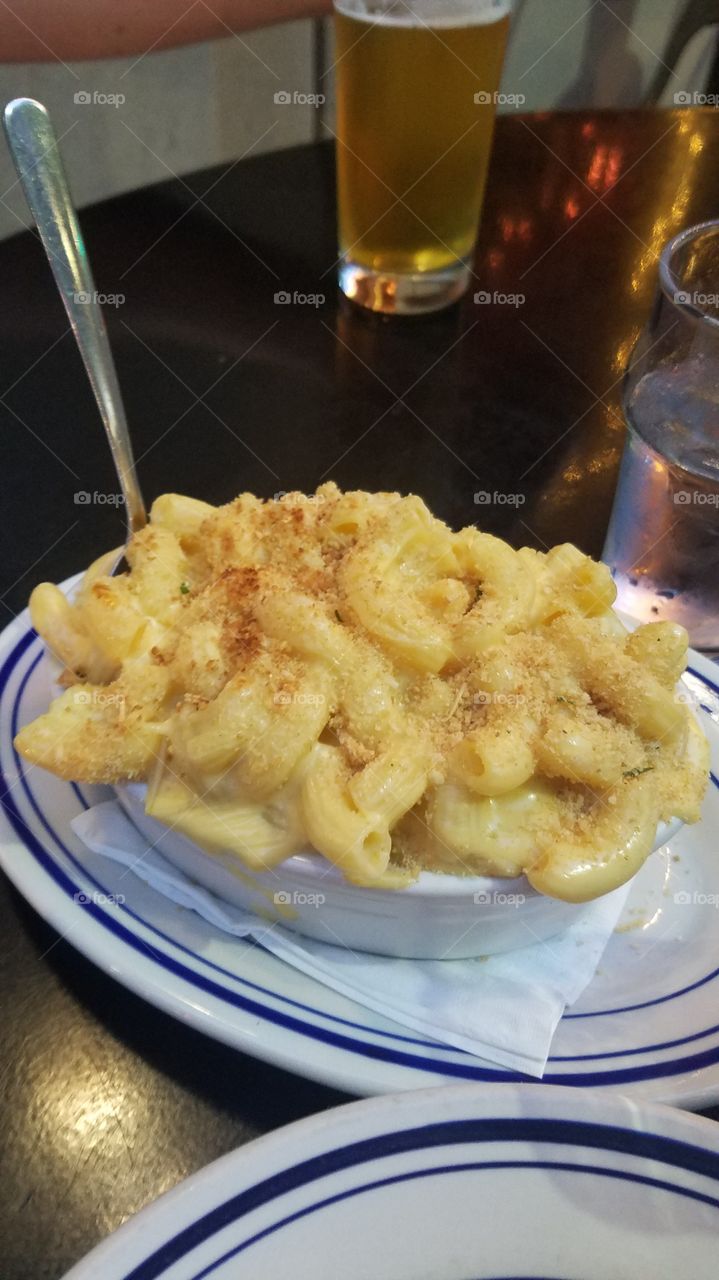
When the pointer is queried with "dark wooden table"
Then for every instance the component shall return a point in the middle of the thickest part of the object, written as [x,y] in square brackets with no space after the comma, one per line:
[228,389]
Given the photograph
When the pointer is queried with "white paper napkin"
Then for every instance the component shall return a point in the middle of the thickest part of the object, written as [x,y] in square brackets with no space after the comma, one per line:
[503,1009]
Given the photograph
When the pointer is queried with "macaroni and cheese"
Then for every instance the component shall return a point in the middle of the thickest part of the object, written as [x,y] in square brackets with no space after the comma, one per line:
[343,670]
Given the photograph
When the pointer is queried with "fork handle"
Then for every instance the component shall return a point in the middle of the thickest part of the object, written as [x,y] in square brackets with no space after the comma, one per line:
[36,155]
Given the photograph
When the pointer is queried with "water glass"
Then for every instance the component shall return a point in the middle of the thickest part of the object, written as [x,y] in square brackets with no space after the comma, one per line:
[663,540]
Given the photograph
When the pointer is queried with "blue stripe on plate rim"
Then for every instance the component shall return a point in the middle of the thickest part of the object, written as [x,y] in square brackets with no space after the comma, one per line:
[563,1166]
[671,1152]
[438,1065]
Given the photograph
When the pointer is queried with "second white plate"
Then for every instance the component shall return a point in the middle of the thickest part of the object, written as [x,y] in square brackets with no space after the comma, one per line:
[442,1185]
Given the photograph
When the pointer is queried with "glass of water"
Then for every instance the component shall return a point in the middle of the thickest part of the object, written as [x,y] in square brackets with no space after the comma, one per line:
[663,540]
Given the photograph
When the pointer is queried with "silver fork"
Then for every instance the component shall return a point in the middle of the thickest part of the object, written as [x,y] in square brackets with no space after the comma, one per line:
[36,155]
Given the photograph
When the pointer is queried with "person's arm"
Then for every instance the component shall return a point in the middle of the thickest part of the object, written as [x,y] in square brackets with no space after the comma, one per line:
[48,30]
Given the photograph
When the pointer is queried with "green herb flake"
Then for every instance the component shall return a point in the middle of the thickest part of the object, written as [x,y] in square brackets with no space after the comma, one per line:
[635,773]
[184,589]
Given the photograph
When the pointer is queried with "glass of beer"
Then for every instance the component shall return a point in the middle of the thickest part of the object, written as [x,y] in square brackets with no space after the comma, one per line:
[417,85]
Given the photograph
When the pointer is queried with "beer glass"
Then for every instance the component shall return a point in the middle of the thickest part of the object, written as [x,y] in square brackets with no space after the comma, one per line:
[417,93]
[663,540]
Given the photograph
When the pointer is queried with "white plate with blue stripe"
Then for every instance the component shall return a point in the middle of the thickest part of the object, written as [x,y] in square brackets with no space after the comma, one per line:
[469,1183]
[648,1025]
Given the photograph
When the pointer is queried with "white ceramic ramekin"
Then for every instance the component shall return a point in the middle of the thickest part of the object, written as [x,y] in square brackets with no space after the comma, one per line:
[439,917]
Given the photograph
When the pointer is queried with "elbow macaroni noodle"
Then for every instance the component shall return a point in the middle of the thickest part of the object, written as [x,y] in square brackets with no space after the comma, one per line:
[345,671]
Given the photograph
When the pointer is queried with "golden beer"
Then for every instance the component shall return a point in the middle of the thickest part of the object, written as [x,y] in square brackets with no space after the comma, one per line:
[416,101]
